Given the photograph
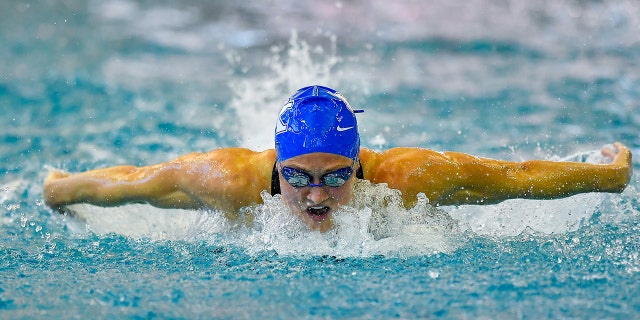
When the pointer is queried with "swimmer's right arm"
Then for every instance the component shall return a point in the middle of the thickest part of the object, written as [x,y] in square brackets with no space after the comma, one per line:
[116,186]
[223,179]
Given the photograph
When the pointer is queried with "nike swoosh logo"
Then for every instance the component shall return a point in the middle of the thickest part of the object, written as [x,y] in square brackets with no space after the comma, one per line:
[343,129]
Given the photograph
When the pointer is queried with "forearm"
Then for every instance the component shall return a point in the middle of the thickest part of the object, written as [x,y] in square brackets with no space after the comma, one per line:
[113,187]
[94,187]
[543,180]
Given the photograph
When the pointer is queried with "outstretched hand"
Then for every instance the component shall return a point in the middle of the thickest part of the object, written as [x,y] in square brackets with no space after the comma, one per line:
[55,175]
[50,191]
[620,156]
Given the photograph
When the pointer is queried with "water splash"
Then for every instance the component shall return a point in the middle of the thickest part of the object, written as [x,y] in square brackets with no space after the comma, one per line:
[374,223]
[257,98]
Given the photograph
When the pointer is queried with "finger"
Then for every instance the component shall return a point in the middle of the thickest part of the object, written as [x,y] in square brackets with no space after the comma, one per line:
[619,146]
[608,152]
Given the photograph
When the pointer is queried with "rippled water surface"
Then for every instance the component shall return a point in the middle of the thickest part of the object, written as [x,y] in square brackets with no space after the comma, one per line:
[86,84]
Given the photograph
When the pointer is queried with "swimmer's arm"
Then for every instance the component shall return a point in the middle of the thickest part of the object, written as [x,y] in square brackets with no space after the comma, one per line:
[452,178]
[486,181]
[116,186]
[222,179]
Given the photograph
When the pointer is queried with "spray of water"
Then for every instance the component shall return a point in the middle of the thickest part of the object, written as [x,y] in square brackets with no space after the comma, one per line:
[374,223]
[258,98]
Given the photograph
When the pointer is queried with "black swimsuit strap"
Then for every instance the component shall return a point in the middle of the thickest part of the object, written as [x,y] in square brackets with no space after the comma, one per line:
[359,172]
[275,178]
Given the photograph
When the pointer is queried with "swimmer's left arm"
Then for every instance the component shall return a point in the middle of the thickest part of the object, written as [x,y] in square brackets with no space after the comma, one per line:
[452,178]
[486,181]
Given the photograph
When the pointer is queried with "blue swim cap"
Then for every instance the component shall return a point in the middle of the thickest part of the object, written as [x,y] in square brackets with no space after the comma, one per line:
[317,119]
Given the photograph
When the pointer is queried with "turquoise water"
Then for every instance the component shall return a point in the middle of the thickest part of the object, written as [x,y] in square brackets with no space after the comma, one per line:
[86,84]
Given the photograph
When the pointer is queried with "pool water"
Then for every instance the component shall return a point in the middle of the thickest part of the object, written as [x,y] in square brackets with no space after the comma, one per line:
[86,84]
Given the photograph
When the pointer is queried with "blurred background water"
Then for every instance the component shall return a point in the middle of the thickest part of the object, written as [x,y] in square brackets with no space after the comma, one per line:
[85,84]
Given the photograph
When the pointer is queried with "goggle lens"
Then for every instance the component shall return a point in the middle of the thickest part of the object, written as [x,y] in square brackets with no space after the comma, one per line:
[300,179]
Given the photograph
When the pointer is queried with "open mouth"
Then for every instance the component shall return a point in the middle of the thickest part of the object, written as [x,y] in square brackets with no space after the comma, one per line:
[318,213]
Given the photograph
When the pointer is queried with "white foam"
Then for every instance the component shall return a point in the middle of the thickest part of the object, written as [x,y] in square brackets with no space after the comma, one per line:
[374,223]
[512,217]
[9,190]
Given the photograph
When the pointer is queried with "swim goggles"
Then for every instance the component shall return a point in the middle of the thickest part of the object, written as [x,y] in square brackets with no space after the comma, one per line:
[300,179]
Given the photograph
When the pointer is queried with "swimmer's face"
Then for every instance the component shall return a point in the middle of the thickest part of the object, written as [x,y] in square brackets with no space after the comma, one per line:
[315,205]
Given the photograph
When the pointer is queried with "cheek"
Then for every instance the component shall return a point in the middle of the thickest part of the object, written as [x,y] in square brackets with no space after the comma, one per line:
[290,196]
[343,194]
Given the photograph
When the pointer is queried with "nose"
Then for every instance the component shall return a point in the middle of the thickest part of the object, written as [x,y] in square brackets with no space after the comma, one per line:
[317,195]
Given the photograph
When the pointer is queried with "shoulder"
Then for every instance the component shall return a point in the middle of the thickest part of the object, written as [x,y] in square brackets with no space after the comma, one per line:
[237,155]
[398,161]
[227,162]
[239,172]
[399,154]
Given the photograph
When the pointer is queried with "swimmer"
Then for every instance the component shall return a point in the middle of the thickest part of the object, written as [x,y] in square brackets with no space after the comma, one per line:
[316,163]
